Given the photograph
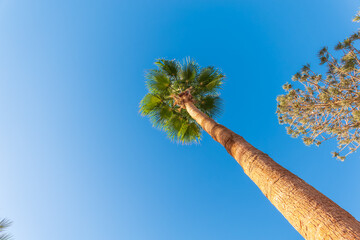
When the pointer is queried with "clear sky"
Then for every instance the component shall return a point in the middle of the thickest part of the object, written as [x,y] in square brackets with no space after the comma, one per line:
[79,162]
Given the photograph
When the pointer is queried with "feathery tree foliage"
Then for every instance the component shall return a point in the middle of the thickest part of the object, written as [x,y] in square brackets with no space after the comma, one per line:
[4,223]
[166,83]
[327,106]
[357,17]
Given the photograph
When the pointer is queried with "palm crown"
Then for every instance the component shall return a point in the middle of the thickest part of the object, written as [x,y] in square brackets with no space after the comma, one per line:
[170,80]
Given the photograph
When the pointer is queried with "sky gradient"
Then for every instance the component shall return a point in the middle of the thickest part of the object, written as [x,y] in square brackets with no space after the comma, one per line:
[79,162]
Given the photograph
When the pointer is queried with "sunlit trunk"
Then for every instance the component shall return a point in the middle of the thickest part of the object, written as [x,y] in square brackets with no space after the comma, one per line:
[311,213]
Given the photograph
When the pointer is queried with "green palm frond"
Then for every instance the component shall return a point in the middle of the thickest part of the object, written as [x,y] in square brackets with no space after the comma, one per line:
[4,223]
[209,80]
[5,237]
[188,71]
[189,132]
[160,115]
[214,85]
[170,67]
[174,124]
[211,105]
[166,82]
[157,81]
[149,103]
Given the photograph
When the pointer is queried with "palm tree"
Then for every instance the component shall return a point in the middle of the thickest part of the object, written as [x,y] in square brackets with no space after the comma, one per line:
[183,98]
[4,223]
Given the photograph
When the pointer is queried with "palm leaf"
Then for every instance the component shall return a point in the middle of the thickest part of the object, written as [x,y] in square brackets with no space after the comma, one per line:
[5,237]
[171,67]
[211,105]
[5,223]
[157,81]
[149,103]
[193,133]
[160,115]
[209,81]
[188,71]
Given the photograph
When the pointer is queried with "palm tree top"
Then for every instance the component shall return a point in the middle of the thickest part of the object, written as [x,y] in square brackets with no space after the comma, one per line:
[167,83]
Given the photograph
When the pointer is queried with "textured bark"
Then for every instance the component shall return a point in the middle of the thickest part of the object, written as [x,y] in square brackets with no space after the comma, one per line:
[310,212]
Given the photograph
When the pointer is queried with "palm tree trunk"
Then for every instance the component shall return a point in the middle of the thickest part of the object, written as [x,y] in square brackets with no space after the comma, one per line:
[310,212]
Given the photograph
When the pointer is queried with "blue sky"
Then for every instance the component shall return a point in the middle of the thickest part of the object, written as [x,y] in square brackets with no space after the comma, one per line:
[79,162]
